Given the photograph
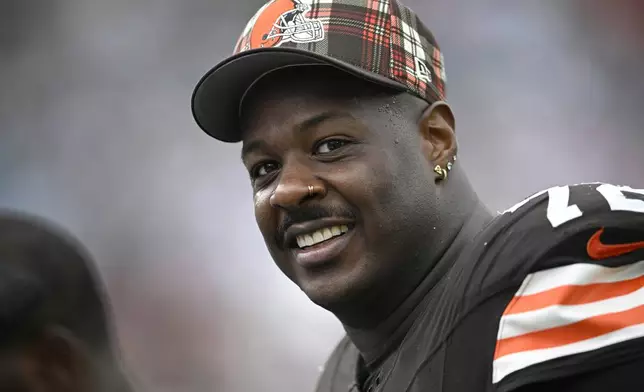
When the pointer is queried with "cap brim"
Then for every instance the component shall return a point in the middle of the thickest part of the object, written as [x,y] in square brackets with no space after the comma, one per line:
[217,96]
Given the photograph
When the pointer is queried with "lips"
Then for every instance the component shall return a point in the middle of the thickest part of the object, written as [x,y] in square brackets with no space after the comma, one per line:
[320,235]
[301,235]
[317,242]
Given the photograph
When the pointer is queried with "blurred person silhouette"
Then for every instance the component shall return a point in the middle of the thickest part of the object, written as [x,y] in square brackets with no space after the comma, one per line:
[55,324]
[351,152]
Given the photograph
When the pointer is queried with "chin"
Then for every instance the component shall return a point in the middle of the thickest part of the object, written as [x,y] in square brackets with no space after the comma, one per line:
[334,292]
[327,297]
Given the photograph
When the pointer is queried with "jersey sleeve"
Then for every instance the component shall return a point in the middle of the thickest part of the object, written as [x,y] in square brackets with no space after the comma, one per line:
[578,306]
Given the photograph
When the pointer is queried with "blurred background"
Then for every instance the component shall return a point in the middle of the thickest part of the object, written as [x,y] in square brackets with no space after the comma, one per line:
[96,134]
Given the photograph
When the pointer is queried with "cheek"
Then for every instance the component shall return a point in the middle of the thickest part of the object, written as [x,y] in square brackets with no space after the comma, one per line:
[367,186]
[267,221]
[392,189]
[263,212]
[381,181]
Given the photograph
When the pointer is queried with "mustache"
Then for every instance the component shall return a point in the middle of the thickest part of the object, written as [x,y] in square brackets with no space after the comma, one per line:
[309,213]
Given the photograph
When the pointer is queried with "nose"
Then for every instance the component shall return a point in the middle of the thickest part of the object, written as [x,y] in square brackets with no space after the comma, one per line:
[296,185]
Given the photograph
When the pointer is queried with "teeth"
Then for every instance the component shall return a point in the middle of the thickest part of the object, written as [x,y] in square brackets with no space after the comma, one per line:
[320,235]
[308,240]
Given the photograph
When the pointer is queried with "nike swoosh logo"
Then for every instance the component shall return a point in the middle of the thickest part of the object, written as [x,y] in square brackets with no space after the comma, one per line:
[597,250]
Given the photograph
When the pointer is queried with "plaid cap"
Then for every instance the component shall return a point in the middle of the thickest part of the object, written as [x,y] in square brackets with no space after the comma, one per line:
[382,41]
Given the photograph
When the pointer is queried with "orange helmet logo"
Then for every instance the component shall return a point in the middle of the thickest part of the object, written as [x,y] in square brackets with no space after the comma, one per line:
[281,21]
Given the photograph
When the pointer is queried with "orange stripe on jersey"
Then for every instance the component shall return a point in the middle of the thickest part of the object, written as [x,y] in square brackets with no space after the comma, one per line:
[569,310]
[574,295]
[582,330]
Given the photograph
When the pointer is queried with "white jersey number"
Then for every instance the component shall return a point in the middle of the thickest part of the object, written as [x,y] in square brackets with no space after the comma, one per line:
[559,211]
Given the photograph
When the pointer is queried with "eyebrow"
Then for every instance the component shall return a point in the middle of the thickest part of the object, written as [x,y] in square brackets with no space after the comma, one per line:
[249,147]
[318,119]
[304,126]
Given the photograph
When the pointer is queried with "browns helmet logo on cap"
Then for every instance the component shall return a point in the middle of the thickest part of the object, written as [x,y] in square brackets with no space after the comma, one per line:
[281,21]
[382,41]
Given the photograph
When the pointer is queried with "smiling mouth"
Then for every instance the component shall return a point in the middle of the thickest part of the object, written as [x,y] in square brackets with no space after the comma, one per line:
[321,235]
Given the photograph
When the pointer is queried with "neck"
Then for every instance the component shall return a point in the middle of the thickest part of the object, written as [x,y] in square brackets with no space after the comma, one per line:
[386,316]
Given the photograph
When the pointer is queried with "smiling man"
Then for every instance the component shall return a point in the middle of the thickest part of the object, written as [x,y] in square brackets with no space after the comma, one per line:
[351,152]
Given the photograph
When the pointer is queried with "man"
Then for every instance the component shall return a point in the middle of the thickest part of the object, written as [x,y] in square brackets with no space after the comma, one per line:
[351,153]
[54,326]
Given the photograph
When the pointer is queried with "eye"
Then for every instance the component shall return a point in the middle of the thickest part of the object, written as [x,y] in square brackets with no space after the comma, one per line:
[330,145]
[263,169]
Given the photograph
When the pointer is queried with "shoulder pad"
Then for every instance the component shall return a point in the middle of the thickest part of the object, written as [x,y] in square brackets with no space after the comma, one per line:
[580,303]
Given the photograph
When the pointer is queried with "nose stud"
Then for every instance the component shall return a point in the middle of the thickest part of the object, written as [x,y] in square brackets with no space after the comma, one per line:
[310,190]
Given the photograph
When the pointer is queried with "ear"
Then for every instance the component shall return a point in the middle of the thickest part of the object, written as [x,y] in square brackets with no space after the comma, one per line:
[58,361]
[438,138]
